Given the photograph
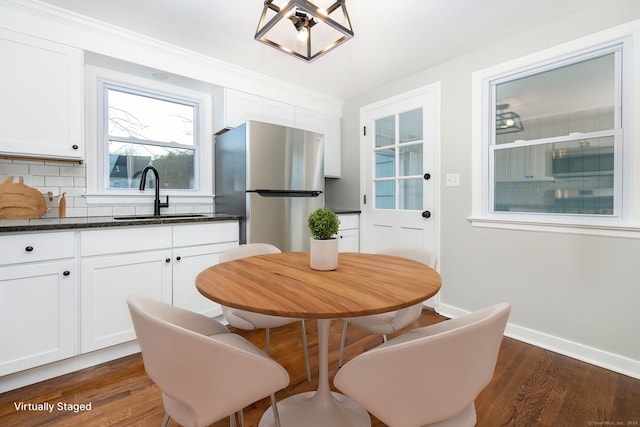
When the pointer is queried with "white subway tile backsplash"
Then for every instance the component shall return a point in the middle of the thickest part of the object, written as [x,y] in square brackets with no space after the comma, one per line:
[62,177]
[58,181]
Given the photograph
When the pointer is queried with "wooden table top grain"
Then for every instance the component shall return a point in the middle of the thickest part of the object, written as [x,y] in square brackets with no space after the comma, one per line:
[283,284]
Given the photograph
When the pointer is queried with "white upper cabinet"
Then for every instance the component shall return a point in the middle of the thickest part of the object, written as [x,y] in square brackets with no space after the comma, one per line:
[234,108]
[41,102]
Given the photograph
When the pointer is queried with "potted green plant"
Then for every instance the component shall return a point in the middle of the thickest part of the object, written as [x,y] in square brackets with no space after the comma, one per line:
[323,224]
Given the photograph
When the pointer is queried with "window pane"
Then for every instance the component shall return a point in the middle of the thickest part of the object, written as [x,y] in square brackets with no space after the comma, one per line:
[142,117]
[411,126]
[411,160]
[575,98]
[385,131]
[579,178]
[385,194]
[385,163]
[411,194]
[126,162]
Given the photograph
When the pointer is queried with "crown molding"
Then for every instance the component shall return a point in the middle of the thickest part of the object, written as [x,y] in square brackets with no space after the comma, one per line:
[43,20]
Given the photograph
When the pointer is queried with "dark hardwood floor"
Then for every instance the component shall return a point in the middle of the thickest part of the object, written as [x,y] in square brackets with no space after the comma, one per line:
[531,387]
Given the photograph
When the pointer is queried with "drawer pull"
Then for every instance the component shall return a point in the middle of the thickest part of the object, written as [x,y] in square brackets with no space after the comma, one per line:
[29,248]
[66,273]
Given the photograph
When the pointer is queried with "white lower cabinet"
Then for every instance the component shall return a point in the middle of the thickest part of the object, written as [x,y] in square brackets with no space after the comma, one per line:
[37,314]
[349,233]
[107,282]
[192,253]
[160,262]
[37,300]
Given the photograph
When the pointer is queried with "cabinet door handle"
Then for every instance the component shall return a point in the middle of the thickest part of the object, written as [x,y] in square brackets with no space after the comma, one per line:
[178,258]
[74,146]
[167,260]
[29,248]
[66,273]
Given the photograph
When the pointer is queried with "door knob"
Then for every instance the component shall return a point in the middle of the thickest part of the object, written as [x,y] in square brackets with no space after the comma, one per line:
[426,214]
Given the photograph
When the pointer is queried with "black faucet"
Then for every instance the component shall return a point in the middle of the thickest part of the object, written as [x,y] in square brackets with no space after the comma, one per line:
[156,203]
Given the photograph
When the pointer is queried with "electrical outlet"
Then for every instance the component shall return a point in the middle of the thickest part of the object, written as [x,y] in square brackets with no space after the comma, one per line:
[452,180]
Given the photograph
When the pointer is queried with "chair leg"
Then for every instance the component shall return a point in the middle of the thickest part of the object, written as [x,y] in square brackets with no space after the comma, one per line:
[384,338]
[274,407]
[165,421]
[306,351]
[232,420]
[342,342]
[266,339]
[241,417]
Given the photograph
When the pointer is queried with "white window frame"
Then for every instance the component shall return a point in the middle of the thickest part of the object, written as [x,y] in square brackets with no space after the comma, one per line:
[483,112]
[98,191]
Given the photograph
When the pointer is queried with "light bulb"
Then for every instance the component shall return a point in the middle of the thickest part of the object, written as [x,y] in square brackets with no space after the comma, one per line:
[303,34]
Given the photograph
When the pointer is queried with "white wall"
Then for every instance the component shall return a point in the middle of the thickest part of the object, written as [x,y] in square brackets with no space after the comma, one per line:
[575,294]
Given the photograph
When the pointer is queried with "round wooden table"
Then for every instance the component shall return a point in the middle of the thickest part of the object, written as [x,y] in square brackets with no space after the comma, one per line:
[283,284]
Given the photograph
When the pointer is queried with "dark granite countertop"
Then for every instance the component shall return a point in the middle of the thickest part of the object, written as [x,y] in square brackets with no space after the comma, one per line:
[47,224]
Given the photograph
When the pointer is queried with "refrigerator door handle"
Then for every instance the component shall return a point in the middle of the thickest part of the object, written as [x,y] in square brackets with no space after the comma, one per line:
[287,193]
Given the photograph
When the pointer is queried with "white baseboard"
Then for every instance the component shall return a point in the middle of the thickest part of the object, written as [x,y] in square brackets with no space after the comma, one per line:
[594,356]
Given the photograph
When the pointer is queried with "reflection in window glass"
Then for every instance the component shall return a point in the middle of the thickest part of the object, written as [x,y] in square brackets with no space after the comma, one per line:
[411,160]
[410,125]
[385,194]
[579,97]
[572,177]
[410,196]
[385,131]
[385,163]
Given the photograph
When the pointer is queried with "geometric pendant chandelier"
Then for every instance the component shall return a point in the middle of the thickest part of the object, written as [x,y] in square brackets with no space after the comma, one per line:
[305,29]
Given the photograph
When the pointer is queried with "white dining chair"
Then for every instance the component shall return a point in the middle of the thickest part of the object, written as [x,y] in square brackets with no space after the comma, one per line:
[387,323]
[429,376]
[247,320]
[204,372]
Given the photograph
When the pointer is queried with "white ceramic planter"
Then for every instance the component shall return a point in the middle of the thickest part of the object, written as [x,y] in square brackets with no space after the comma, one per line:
[323,254]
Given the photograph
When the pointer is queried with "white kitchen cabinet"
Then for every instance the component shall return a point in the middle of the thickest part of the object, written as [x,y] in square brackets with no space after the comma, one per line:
[41,102]
[192,253]
[238,107]
[37,300]
[117,263]
[349,233]
[235,107]
[531,163]
[160,262]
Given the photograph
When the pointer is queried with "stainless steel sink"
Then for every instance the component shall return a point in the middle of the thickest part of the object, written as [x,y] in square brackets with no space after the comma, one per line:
[158,217]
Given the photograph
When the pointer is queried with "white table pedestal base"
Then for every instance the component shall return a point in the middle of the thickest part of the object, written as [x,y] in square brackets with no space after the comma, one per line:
[309,410]
[321,408]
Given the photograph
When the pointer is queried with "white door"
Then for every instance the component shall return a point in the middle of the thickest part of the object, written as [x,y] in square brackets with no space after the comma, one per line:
[400,171]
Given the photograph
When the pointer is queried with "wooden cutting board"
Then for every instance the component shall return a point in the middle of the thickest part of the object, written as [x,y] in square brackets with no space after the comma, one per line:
[19,201]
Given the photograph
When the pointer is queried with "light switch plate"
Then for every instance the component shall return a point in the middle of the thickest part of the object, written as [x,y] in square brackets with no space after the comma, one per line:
[452,180]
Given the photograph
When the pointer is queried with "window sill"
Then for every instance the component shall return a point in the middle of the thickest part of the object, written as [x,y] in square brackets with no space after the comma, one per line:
[130,199]
[630,231]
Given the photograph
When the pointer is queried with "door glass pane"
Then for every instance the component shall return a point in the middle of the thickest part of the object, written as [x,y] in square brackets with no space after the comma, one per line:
[411,160]
[410,196]
[385,194]
[573,177]
[386,163]
[410,124]
[385,131]
[579,97]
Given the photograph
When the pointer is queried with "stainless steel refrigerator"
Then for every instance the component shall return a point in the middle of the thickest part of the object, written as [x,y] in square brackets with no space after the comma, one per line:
[273,177]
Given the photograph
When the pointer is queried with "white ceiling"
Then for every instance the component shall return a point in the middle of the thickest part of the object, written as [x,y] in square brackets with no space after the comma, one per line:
[393,39]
